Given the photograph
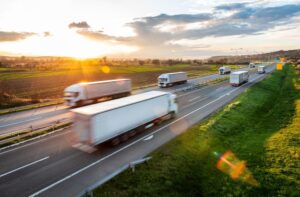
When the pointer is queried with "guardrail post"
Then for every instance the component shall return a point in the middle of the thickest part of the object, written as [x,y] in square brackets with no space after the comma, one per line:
[90,193]
[132,166]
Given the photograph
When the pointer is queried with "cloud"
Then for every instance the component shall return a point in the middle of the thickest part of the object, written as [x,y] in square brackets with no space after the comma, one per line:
[233,6]
[179,18]
[79,25]
[47,34]
[100,36]
[244,19]
[14,36]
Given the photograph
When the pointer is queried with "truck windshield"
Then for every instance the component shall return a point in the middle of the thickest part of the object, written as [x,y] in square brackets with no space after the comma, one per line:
[163,79]
[71,94]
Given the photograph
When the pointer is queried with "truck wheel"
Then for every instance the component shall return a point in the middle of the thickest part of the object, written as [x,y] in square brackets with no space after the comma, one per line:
[115,141]
[78,103]
[124,137]
[158,121]
[132,133]
[173,115]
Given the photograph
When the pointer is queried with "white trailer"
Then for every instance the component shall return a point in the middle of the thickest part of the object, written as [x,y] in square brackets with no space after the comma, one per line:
[87,93]
[224,70]
[239,77]
[119,119]
[169,79]
[261,69]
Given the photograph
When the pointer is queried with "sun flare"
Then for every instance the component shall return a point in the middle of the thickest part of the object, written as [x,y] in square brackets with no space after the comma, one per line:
[66,43]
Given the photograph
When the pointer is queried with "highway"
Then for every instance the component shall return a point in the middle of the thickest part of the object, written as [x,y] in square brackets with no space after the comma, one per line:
[52,167]
[41,116]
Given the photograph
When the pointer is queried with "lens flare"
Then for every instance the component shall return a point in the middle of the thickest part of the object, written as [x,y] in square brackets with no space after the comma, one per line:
[235,168]
[105,69]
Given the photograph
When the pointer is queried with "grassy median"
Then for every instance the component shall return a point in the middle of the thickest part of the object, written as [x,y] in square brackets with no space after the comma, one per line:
[261,127]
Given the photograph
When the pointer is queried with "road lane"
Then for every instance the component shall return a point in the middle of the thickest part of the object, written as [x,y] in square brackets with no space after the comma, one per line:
[22,167]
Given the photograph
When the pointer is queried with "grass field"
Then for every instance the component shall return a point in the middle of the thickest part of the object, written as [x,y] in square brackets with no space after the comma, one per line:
[21,86]
[261,127]
[10,73]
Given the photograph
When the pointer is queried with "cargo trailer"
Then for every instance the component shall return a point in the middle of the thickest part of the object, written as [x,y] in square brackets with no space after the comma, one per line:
[261,69]
[239,77]
[116,120]
[86,93]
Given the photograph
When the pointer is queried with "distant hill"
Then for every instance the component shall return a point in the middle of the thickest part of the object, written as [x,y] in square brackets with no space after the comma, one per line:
[290,55]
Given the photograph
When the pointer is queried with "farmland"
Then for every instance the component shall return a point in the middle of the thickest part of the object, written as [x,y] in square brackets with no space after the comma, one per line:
[260,127]
[31,81]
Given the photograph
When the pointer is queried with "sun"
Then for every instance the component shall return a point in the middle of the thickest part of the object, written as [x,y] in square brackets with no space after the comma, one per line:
[68,44]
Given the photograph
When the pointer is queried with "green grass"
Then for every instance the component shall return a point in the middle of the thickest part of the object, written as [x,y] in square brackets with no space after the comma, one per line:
[260,127]
[22,74]
[29,107]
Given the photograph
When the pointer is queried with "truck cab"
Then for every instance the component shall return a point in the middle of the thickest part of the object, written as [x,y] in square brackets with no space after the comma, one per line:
[252,65]
[73,95]
[173,104]
[163,80]
[224,70]
[261,69]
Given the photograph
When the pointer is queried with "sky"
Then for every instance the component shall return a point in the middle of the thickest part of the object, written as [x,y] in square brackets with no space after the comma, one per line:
[147,28]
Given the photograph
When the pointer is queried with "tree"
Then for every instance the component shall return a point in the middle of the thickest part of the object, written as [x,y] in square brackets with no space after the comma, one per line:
[156,61]
[141,62]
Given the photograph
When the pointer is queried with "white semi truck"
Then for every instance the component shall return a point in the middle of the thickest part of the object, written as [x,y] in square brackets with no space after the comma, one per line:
[170,79]
[252,65]
[119,119]
[239,77]
[86,93]
[224,70]
[261,69]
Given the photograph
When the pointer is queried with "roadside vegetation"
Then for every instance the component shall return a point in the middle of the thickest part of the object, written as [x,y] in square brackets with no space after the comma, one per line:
[14,138]
[261,127]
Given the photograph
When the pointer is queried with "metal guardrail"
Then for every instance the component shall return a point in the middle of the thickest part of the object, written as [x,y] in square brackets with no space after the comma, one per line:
[32,106]
[193,86]
[89,190]
[32,131]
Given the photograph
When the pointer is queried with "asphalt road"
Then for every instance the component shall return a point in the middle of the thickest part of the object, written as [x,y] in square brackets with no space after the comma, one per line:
[43,116]
[51,167]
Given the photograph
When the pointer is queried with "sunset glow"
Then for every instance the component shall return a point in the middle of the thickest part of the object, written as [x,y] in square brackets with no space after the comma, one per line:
[145,29]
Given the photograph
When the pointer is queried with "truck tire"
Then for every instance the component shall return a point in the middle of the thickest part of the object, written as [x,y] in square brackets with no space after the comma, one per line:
[78,104]
[132,133]
[124,137]
[115,141]
[158,121]
[173,115]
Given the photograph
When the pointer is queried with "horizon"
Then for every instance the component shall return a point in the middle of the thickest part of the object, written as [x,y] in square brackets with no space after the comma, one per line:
[192,29]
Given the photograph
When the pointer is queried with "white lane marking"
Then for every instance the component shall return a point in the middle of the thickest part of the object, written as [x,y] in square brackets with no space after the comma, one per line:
[200,89]
[20,168]
[191,100]
[148,138]
[186,106]
[125,147]
[15,123]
